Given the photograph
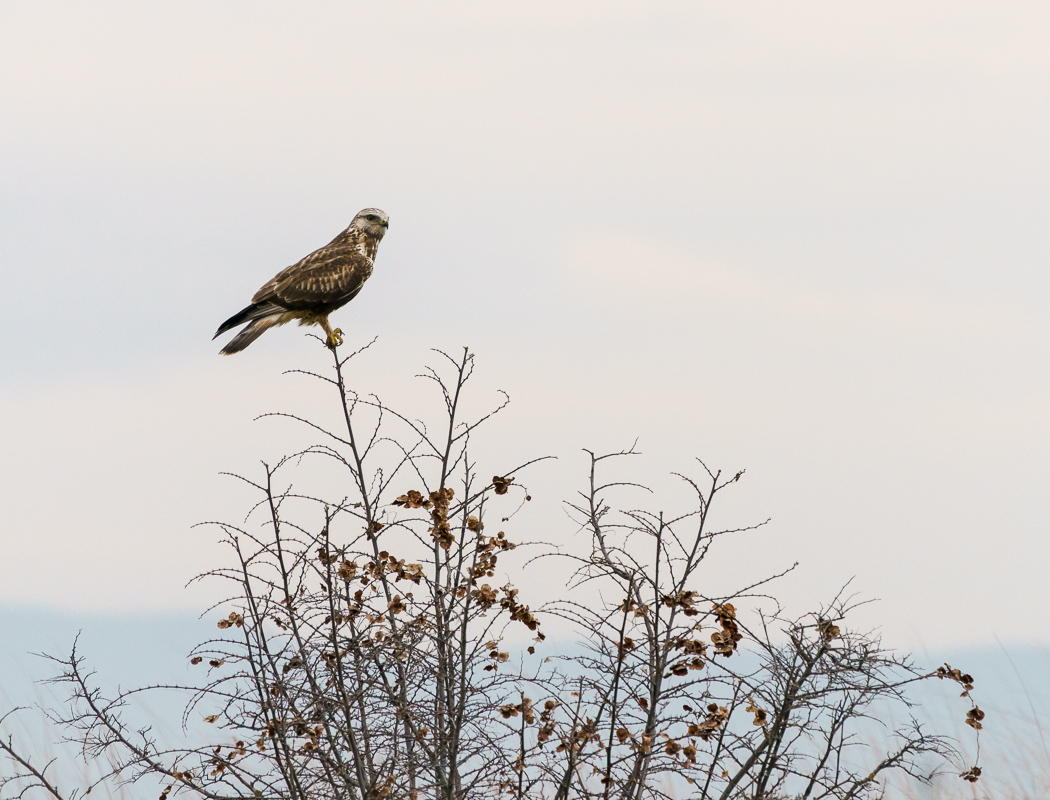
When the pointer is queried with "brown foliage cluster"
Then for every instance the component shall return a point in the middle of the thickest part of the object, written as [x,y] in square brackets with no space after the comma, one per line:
[727,639]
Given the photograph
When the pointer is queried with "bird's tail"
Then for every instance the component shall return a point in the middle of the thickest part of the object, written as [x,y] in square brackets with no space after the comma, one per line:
[251,332]
[252,312]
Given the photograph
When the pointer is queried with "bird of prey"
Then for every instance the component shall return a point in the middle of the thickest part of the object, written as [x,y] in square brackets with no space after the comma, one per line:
[314,287]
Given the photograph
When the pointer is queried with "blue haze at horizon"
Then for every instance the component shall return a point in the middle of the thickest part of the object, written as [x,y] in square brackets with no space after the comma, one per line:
[137,650]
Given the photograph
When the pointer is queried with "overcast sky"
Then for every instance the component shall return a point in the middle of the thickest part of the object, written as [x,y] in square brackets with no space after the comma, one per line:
[808,239]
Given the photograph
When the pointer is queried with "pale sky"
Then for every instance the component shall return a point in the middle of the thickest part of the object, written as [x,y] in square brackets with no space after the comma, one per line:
[808,239]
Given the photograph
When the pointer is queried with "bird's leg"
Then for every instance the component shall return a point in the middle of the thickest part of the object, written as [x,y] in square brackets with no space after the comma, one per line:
[335,337]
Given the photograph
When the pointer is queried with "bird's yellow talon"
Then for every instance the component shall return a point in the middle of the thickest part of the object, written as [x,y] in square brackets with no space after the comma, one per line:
[336,338]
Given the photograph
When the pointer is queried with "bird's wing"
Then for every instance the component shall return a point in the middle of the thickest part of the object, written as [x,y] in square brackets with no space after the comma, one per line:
[332,274]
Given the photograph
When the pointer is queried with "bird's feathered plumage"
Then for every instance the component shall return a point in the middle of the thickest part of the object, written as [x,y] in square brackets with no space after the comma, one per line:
[311,289]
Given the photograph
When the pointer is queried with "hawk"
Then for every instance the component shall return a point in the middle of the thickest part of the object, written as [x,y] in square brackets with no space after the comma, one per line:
[314,287]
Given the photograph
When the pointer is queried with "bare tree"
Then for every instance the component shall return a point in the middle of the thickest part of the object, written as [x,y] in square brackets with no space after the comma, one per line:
[364,653]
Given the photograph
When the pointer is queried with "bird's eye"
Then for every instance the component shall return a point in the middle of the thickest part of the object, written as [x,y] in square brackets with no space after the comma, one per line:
[372,218]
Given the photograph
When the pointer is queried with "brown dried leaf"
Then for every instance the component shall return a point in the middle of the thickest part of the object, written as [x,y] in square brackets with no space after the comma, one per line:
[412,499]
[974,717]
[828,629]
[760,715]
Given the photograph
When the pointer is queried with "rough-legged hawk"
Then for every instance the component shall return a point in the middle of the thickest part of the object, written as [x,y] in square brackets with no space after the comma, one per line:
[313,288]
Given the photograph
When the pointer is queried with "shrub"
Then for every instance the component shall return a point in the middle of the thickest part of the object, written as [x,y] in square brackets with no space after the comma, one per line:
[368,648]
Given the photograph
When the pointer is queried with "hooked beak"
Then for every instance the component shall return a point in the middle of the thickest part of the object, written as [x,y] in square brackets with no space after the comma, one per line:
[386,222]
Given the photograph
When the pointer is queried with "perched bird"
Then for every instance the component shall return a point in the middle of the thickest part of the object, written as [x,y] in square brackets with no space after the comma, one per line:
[313,288]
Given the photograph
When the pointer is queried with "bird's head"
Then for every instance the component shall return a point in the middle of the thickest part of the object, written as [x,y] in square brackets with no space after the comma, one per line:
[371,221]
